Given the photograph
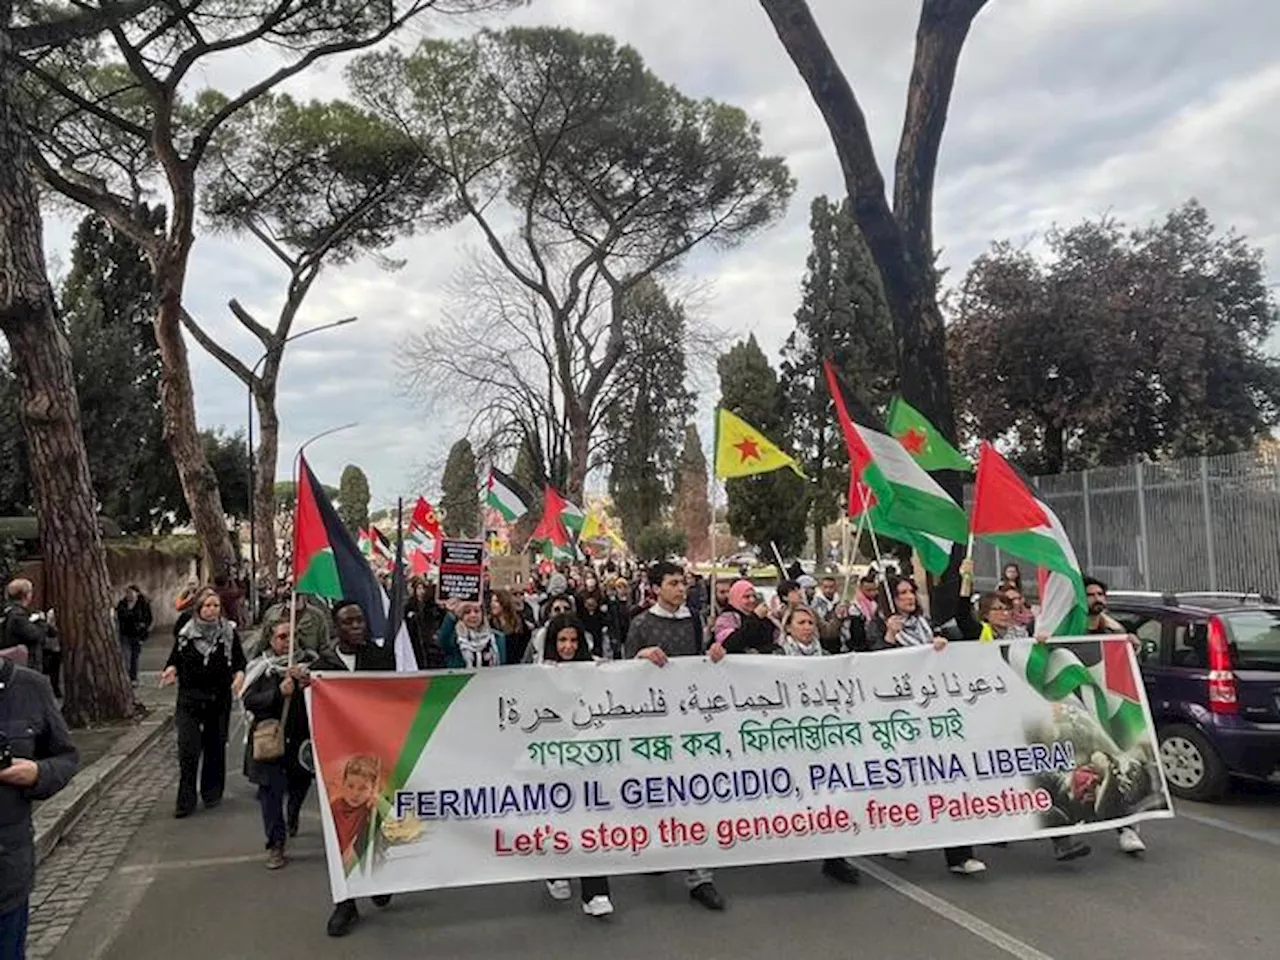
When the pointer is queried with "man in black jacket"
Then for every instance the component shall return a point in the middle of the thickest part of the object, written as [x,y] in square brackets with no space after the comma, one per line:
[25,626]
[37,759]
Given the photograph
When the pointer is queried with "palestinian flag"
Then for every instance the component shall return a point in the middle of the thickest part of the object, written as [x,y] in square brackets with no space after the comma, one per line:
[572,516]
[921,439]
[1007,515]
[326,560]
[909,498]
[934,552]
[507,496]
[1101,675]
[365,543]
[552,528]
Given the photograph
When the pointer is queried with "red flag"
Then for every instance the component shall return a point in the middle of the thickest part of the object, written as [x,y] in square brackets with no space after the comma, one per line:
[551,527]
[419,563]
[425,519]
[1001,501]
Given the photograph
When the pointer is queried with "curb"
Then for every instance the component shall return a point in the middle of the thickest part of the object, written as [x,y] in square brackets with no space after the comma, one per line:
[57,816]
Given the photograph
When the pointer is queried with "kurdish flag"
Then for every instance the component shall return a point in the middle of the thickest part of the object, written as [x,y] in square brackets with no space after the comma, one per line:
[934,552]
[909,498]
[507,496]
[1008,515]
[743,451]
[921,439]
[326,560]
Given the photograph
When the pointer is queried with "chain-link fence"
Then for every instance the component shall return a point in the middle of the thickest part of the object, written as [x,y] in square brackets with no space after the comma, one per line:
[1208,523]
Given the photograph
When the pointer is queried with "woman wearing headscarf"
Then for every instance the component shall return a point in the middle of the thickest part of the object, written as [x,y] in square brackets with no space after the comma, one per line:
[745,627]
[207,662]
[467,639]
[273,692]
[906,625]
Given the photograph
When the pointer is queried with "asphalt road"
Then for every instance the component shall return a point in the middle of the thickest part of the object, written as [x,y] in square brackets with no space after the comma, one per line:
[196,890]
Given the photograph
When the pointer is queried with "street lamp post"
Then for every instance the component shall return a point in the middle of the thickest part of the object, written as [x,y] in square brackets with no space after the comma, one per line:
[253,499]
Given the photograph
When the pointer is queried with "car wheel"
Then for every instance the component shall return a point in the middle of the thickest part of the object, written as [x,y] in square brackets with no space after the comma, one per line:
[1191,765]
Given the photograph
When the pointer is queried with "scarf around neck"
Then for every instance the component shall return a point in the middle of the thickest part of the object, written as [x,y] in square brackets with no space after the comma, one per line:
[791,647]
[478,647]
[916,631]
[206,637]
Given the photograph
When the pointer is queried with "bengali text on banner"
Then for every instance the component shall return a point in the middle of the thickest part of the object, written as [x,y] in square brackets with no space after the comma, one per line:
[516,773]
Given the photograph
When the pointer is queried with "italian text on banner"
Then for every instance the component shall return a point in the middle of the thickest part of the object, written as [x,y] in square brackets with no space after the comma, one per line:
[515,773]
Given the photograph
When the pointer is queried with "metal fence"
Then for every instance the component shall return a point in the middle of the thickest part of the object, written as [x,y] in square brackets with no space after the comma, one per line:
[1207,523]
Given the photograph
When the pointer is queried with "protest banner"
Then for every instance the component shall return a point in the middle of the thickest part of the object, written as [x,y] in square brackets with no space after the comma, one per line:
[462,569]
[509,572]
[454,778]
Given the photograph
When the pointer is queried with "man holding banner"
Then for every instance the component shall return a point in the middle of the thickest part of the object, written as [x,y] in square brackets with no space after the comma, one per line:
[669,629]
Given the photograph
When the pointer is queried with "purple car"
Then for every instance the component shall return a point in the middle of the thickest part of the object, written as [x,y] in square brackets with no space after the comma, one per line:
[1211,666]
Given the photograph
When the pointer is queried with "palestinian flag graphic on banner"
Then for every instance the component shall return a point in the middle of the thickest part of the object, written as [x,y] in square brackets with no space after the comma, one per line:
[1101,675]
[384,726]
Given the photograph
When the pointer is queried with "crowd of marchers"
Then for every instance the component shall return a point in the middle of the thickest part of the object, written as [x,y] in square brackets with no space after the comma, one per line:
[571,613]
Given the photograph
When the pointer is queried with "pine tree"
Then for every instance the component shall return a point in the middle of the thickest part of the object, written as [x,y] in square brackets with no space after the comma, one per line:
[528,474]
[843,316]
[692,512]
[353,498]
[770,507]
[460,499]
[646,423]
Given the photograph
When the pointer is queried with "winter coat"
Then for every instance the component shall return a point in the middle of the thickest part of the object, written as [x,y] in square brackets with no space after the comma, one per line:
[135,621]
[264,701]
[30,718]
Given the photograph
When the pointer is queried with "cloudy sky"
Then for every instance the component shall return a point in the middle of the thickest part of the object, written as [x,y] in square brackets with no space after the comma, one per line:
[1063,109]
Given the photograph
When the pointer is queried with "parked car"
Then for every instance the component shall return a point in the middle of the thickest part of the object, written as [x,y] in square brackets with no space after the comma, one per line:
[1211,666]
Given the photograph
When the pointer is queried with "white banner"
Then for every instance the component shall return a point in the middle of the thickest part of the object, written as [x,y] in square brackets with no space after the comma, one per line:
[516,773]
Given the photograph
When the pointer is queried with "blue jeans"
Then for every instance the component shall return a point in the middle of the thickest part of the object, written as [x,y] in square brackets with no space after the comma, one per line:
[281,799]
[13,932]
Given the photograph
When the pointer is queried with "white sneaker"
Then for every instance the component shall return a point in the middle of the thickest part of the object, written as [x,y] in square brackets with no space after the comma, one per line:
[898,855]
[559,889]
[969,867]
[1130,842]
[600,906]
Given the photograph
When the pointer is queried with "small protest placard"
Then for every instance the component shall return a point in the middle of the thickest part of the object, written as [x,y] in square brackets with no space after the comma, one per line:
[462,569]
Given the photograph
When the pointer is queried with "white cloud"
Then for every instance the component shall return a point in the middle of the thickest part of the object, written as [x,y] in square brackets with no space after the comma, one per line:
[1061,110]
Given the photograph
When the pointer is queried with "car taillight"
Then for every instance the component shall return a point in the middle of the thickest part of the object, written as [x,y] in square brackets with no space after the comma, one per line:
[1222,679]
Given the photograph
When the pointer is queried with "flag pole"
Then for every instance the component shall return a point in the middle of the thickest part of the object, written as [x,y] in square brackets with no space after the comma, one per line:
[875,546]
[711,554]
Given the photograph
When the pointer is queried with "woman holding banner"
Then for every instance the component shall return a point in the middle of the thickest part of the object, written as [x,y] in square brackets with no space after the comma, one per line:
[566,641]
[904,624]
[467,639]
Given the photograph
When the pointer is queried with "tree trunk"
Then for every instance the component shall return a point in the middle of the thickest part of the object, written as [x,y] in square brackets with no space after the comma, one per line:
[901,244]
[181,432]
[75,563]
[265,481]
[579,449]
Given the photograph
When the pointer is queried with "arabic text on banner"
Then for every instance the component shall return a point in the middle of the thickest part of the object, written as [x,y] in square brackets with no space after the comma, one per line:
[517,773]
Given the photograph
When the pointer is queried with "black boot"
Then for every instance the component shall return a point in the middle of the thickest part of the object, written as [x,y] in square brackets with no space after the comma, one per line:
[840,870]
[707,895]
[344,917]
